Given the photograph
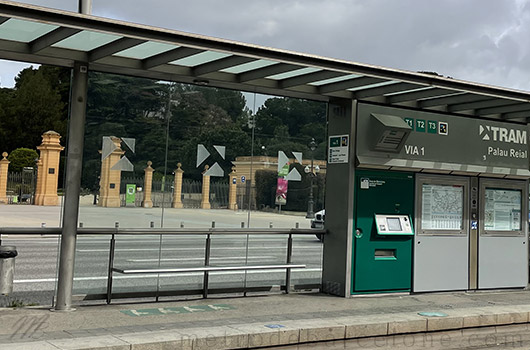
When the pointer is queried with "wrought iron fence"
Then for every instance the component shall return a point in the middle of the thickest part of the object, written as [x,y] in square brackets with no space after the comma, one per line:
[162,192]
[21,186]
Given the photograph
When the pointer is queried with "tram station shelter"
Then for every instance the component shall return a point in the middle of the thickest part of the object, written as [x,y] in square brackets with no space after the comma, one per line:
[427,176]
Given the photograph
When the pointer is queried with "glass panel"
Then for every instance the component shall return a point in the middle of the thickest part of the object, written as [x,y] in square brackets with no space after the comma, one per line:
[409,91]
[25,203]
[86,40]
[294,73]
[146,50]
[245,67]
[201,157]
[373,85]
[25,31]
[200,58]
[334,80]
[502,210]
[442,207]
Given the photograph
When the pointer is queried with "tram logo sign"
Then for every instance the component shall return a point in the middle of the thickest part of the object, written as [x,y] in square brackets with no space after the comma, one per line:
[499,134]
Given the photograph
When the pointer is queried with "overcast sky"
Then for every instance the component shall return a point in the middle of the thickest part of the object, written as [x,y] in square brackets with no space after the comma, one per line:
[486,41]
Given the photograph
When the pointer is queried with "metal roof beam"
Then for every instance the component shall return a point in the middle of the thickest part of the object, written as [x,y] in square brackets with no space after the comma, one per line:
[516,115]
[349,84]
[459,97]
[267,71]
[520,107]
[113,47]
[486,103]
[382,90]
[418,95]
[310,78]
[169,56]
[51,38]
[220,64]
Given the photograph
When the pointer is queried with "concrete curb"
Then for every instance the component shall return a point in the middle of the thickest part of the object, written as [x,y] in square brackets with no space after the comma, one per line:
[291,332]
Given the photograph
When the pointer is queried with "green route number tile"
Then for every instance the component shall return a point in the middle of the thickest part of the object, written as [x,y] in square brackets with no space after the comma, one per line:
[420,125]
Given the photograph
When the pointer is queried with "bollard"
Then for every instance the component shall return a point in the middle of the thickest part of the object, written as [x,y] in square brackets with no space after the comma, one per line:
[297,225]
[270,224]
[152,224]
[213,224]
[7,268]
[242,224]
[80,225]
[182,224]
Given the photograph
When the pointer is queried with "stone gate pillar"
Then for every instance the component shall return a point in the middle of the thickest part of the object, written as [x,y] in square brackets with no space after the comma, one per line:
[148,185]
[232,190]
[111,179]
[177,193]
[205,203]
[4,166]
[48,169]
[38,185]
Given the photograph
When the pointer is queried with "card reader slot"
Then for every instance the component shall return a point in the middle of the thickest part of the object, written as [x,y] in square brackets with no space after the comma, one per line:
[385,254]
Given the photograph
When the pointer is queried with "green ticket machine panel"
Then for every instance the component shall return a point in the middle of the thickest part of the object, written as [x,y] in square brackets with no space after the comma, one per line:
[383,236]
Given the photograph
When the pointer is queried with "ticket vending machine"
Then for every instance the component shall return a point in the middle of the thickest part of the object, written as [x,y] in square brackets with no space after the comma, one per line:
[382,243]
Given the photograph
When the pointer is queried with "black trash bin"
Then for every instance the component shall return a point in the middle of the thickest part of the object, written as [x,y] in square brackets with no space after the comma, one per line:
[7,268]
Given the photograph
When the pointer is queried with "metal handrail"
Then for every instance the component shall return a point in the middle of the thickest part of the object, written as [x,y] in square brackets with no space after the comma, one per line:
[115,231]
[159,231]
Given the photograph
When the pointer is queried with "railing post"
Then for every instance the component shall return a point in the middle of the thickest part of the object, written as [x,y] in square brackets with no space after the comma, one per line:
[207,263]
[111,266]
[289,260]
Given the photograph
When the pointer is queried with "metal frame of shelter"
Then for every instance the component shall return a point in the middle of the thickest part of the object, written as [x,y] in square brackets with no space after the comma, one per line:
[83,42]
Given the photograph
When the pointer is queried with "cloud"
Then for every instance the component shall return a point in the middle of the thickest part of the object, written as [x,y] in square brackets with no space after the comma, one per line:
[475,40]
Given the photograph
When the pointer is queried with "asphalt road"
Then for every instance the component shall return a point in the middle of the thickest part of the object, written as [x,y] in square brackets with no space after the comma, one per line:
[36,265]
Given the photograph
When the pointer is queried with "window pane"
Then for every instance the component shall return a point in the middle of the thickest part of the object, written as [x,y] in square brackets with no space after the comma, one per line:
[200,58]
[146,50]
[86,41]
[25,31]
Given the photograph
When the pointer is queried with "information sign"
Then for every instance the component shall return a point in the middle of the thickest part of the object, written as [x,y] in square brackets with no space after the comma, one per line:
[502,210]
[338,149]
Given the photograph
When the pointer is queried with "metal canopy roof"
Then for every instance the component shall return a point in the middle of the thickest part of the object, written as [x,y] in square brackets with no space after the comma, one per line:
[39,35]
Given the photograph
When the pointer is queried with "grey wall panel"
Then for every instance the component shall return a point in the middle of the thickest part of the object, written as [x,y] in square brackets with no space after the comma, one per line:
[440,263]
[502,262]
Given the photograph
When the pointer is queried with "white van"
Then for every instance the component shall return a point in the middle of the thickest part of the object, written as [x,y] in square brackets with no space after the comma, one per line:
[318,222]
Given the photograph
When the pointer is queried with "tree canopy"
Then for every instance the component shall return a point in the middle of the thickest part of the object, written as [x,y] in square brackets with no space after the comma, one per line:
[159,116]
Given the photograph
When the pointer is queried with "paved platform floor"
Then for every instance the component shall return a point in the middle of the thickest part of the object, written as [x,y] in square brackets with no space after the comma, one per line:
[255,321]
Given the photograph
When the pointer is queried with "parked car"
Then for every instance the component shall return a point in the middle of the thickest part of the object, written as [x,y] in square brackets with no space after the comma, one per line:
[318,222]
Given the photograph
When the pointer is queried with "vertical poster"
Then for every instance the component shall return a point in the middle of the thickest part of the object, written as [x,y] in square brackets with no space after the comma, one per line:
[281,191]
[130,195]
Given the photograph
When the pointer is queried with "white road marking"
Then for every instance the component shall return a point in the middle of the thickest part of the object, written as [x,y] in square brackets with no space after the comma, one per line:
[189,274]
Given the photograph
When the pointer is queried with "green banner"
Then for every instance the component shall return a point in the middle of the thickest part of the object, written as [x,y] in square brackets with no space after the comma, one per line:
[285,171]
[130,196]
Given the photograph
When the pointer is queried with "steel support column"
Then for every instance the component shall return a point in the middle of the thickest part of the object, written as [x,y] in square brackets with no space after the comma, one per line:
[340,184]
[74,163]
[85,7]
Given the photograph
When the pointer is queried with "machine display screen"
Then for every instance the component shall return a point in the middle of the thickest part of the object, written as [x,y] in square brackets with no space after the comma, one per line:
[394,224]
